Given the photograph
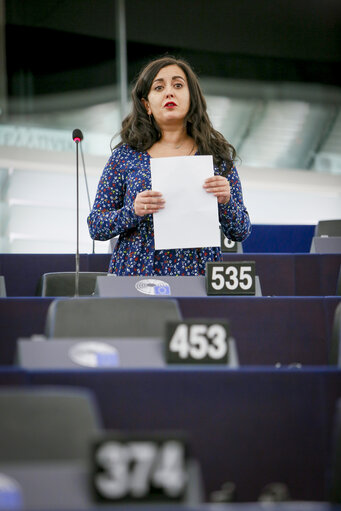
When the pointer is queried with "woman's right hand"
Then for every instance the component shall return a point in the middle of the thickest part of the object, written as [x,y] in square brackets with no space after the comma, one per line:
[148,202]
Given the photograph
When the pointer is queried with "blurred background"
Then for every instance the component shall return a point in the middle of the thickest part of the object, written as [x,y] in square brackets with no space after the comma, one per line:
[270,71]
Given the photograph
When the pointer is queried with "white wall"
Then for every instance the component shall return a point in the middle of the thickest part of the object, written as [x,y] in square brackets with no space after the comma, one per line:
[287,196]
[38,199]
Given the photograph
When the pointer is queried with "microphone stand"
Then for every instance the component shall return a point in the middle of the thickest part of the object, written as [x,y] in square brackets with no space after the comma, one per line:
[77,224]
[77,136]
[87,191]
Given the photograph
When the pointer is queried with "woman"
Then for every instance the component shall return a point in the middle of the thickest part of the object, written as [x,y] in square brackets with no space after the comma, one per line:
[168,119]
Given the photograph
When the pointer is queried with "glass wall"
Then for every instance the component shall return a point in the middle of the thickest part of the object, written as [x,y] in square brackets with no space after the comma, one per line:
[61,73]
[67,65]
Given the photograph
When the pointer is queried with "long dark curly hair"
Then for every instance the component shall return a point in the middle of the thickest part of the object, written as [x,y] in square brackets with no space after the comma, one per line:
[141,132]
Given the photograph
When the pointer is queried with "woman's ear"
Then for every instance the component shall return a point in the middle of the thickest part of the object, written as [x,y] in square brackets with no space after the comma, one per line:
[146,105]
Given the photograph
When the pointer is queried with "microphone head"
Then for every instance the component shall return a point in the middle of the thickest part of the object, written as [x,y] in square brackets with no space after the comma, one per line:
[77,135]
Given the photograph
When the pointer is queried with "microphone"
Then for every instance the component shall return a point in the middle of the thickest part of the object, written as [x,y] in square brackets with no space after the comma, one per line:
[77,137]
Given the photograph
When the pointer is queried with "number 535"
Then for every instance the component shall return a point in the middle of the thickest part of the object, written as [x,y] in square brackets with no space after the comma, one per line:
[227,278]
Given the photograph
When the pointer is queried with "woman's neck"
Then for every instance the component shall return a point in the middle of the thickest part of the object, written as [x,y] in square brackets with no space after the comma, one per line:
[173,142]
[174,137]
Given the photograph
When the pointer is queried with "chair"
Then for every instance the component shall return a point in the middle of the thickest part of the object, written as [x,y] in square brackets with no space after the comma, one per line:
[46,424]
[63,283]
[328,228]
[110,317]
[335,350]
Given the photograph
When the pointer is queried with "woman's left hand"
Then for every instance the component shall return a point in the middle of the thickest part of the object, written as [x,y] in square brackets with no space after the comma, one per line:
[220,187]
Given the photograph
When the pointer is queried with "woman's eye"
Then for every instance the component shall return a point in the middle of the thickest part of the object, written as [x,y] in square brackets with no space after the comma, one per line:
[158,87]
[178,85]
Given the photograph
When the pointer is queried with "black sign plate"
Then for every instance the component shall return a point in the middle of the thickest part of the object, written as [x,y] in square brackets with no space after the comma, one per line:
[227,245]
[231,278]
[139,468]
[197,342]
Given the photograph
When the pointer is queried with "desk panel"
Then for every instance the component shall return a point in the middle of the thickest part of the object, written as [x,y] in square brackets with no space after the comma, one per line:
[316,276]
[250,506]
[23,271]
[294,275]
[280,274]
[20,317]
[272,330]
[267,330]
[276,272]
[12,376]
[251,427]
[279,238]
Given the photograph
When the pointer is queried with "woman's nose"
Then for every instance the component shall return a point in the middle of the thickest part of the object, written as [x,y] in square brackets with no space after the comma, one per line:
[169,91]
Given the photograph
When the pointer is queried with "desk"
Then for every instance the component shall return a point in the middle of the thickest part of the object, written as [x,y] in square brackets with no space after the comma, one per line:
[280,274]
[267,330]
[249,426]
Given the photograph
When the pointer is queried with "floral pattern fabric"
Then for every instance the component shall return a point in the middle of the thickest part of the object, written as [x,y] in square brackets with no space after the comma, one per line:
[125,175]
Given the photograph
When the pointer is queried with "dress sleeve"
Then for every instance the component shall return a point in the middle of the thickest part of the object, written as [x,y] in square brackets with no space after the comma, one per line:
[234,218]
[111,214]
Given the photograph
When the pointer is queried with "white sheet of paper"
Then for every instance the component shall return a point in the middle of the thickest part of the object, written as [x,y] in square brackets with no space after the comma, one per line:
[190,217]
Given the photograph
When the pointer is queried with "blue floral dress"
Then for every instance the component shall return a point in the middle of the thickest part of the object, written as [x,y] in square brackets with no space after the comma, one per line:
[125,175]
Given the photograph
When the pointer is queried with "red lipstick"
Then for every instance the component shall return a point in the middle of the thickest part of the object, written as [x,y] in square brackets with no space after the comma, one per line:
[170,104]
